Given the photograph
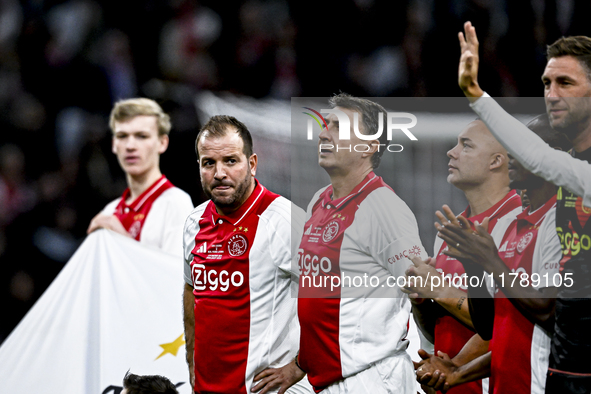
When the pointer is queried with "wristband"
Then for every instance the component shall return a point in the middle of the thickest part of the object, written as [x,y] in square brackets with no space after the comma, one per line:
[298,364]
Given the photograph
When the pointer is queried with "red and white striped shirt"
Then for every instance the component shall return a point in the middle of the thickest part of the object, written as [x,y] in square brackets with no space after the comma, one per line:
[239,266]
[156,217]
[521,349]
[450,334]
[365,237]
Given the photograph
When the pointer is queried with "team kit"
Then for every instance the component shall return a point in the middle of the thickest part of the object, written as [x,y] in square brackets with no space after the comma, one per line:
[278,299]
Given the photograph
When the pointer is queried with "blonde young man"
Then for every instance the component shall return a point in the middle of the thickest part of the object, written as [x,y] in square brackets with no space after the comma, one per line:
[152,210]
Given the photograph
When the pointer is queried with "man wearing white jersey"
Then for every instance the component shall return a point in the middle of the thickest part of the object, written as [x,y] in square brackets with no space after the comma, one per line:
[478,167]
[360,231]
[151,209]
[524,308]
[239,314]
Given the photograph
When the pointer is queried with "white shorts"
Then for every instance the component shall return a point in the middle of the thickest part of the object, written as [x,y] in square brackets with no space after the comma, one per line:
[391,375]
[301,387]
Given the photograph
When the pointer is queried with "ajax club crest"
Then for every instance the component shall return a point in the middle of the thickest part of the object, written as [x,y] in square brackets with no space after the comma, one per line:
[523,242]
[330,231]
[237,245]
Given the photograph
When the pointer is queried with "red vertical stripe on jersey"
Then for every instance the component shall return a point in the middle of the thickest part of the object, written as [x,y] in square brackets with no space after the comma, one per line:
[318,306]
[511,344]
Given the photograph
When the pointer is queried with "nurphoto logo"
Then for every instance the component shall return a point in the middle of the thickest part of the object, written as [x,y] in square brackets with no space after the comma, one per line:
[345,128]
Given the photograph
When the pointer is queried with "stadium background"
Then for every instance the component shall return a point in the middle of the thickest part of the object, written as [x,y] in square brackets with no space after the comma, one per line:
[64,63]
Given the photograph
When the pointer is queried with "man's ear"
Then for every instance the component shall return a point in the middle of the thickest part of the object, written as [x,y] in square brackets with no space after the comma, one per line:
[497,160]
[373,148]
[163,143]
[253,161]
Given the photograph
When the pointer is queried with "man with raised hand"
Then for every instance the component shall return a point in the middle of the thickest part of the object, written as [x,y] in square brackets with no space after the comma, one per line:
[567,92]
[353,333]
[151,209]
[239,313]
[478,166]
[524,269]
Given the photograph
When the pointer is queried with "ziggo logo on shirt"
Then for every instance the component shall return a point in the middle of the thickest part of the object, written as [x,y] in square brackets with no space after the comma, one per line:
[202,277]
[312,264]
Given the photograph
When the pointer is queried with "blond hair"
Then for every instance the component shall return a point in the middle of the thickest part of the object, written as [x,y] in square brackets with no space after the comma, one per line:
[125,110]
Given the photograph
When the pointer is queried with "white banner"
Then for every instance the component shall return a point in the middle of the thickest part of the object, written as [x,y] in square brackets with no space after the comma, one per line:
[116,306]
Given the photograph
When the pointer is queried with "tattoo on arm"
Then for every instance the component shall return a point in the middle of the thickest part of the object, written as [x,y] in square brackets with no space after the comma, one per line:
[461,302]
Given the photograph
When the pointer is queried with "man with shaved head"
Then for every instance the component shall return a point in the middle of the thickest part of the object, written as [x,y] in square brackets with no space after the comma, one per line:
[478,167]
[523,314]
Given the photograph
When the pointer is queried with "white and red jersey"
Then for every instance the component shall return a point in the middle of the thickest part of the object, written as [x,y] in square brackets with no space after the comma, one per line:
[239,266]
[155,217]
[366,237]
[450,334]
[521,349]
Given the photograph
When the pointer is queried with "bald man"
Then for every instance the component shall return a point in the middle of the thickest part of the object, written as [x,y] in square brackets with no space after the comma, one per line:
[478,166]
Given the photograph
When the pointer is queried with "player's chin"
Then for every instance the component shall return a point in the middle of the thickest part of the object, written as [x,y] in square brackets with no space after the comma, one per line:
[325,162]
[133,169]
[452,179]
[223,200]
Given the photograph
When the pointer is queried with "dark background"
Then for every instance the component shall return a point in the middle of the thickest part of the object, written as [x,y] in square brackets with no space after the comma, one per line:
[64,63]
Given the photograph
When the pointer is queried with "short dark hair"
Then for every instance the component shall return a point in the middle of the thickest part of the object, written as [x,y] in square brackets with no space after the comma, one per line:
[148,384]
[541,126]
[369,114]
[217,126]
[578,47]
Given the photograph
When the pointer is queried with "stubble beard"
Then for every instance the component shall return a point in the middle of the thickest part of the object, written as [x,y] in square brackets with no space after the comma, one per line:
[572,123]
[235,199]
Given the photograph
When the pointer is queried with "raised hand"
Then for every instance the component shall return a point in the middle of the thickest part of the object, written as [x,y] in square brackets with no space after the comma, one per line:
[468,68]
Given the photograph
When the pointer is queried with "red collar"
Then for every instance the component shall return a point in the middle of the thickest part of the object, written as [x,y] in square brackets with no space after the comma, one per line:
[500,208]
[137,204]
[326,196]
[539,214]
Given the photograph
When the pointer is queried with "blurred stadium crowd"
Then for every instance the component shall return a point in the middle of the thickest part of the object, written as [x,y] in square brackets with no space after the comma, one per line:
[63,63]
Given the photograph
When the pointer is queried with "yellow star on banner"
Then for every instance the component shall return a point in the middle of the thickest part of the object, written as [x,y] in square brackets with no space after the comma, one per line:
[343,218]
[334,216]
[234,228]
[240,228]
[339,215]
[245,229]
[172,347]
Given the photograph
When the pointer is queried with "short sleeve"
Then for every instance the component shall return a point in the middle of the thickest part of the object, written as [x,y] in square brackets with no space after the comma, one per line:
[191,228]
[548,252]
[170,211]
[393,231]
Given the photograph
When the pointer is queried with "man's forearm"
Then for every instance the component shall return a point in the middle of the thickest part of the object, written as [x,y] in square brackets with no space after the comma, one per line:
[532,152]
[477,369]
[455,302]
[189,322]
[536,306]
[474,348]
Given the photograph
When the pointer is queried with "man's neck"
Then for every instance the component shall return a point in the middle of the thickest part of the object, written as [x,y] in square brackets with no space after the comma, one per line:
[482,198]
[343,184]
[140,183]
[582,141]
[540,196]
